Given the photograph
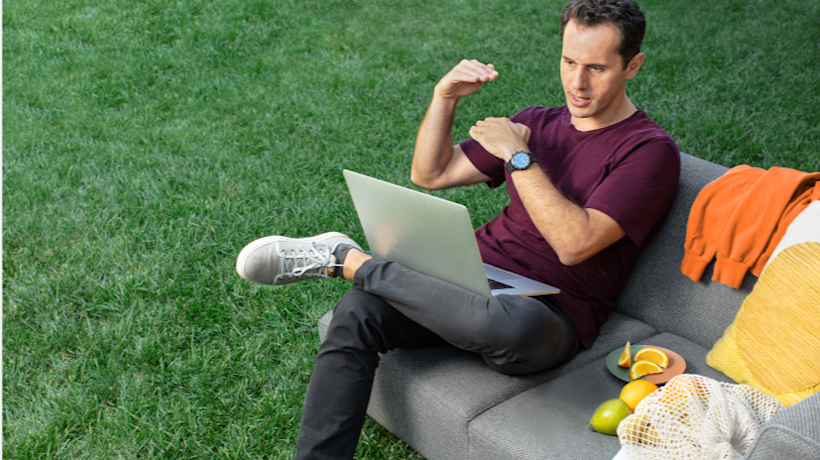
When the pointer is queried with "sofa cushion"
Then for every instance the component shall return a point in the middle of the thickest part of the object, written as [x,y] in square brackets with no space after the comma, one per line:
[550,420]
[663,297]
[427,397]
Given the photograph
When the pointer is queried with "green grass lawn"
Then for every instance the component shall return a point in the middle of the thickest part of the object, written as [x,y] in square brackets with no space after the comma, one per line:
[146,142]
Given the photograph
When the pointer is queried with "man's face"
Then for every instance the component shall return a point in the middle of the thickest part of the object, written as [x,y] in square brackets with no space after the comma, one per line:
[593,75]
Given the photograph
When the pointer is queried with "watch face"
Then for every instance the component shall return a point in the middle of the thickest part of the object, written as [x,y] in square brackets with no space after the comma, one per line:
[520,160]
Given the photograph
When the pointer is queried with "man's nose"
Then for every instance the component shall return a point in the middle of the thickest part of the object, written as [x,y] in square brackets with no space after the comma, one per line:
[579,80]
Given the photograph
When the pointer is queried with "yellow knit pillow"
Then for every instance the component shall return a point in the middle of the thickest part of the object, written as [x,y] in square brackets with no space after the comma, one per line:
[774,342]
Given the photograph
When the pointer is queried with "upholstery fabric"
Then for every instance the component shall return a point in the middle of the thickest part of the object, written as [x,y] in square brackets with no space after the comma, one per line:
[678,304]
[774,343]
[549,422]
[793,434]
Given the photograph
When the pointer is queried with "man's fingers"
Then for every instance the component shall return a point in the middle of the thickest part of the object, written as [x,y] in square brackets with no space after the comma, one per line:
[472,77]
[475,64]
[475,133]
[465,78]
[495,119]
[494,123]
[475,71]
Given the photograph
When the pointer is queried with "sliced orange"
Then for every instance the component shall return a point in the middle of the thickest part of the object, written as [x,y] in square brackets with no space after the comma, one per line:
[653,355]
[641,368]
[626,357]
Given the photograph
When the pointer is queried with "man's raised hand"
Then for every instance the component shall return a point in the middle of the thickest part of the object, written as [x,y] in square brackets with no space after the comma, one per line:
[501,136]
[465,79]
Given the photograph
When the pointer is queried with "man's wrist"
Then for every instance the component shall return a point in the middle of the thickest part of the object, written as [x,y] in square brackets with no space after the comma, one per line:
[506,154]
[440,100]
[520,161]
[442,94]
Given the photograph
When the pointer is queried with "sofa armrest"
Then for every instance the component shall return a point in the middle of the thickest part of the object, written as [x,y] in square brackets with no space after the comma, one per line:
[793,434]
[324,324]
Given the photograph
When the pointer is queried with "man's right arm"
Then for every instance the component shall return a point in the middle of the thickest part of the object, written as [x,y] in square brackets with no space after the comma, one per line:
[437,163]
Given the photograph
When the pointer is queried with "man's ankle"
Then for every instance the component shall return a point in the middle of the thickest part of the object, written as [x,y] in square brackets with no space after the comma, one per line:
[339,256]
[351,263]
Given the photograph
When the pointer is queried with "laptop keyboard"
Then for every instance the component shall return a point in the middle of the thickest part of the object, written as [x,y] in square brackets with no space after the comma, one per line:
[498,285]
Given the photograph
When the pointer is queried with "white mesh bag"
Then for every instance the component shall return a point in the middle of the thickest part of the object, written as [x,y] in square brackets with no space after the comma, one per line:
[695,417]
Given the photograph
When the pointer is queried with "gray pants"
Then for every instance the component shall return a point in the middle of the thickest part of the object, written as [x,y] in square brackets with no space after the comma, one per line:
[394,307]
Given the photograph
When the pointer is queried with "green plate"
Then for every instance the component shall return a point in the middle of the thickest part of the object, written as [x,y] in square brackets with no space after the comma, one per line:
[677,365]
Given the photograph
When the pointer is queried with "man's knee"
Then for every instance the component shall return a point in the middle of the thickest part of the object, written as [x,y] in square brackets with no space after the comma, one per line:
[358,321]
[527,318]
[532,339]
[358,306]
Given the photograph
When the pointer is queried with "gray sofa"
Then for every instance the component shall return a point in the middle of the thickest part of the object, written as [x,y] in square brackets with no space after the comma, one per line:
[449,406]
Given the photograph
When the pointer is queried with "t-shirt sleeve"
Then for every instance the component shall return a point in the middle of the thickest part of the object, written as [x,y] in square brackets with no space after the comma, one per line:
[486,162]
[639,190]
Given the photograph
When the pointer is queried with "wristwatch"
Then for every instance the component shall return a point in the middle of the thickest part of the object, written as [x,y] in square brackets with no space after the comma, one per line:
[519,161]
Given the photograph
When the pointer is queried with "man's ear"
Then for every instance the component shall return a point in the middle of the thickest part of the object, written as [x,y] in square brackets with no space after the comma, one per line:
[634,65]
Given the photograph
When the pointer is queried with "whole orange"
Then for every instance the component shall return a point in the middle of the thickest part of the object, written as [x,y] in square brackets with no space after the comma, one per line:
[633,392]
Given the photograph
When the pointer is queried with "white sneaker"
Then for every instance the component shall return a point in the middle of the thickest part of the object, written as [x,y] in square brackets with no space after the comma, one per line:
[278,260]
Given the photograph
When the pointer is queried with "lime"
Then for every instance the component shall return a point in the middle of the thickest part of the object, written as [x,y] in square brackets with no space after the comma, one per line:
[608,415]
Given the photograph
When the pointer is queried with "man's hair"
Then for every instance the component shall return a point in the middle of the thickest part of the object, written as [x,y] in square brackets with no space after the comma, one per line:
[625,14]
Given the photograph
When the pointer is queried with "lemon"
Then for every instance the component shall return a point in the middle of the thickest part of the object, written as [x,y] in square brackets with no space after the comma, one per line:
[639,431]
[608,416]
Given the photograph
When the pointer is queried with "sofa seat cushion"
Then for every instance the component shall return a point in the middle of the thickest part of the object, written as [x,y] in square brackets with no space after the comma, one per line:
[550,421]
[427,397]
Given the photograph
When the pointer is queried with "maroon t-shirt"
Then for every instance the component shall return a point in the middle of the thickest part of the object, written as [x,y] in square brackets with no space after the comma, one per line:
[629,171]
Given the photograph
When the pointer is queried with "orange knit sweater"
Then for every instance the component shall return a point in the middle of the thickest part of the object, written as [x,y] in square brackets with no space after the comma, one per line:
[740,217]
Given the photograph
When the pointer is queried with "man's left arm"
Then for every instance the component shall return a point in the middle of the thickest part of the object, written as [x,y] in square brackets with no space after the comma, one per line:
[574,233]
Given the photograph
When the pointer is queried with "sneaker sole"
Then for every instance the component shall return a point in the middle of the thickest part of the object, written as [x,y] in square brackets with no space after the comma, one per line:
[254,245]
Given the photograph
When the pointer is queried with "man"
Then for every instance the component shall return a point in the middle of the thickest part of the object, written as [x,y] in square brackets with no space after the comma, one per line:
[589,184]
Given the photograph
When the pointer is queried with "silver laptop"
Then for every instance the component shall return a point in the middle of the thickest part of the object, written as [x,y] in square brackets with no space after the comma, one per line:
[430,235]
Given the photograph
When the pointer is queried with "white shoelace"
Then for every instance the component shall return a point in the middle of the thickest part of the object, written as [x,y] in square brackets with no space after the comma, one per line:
[313,263]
